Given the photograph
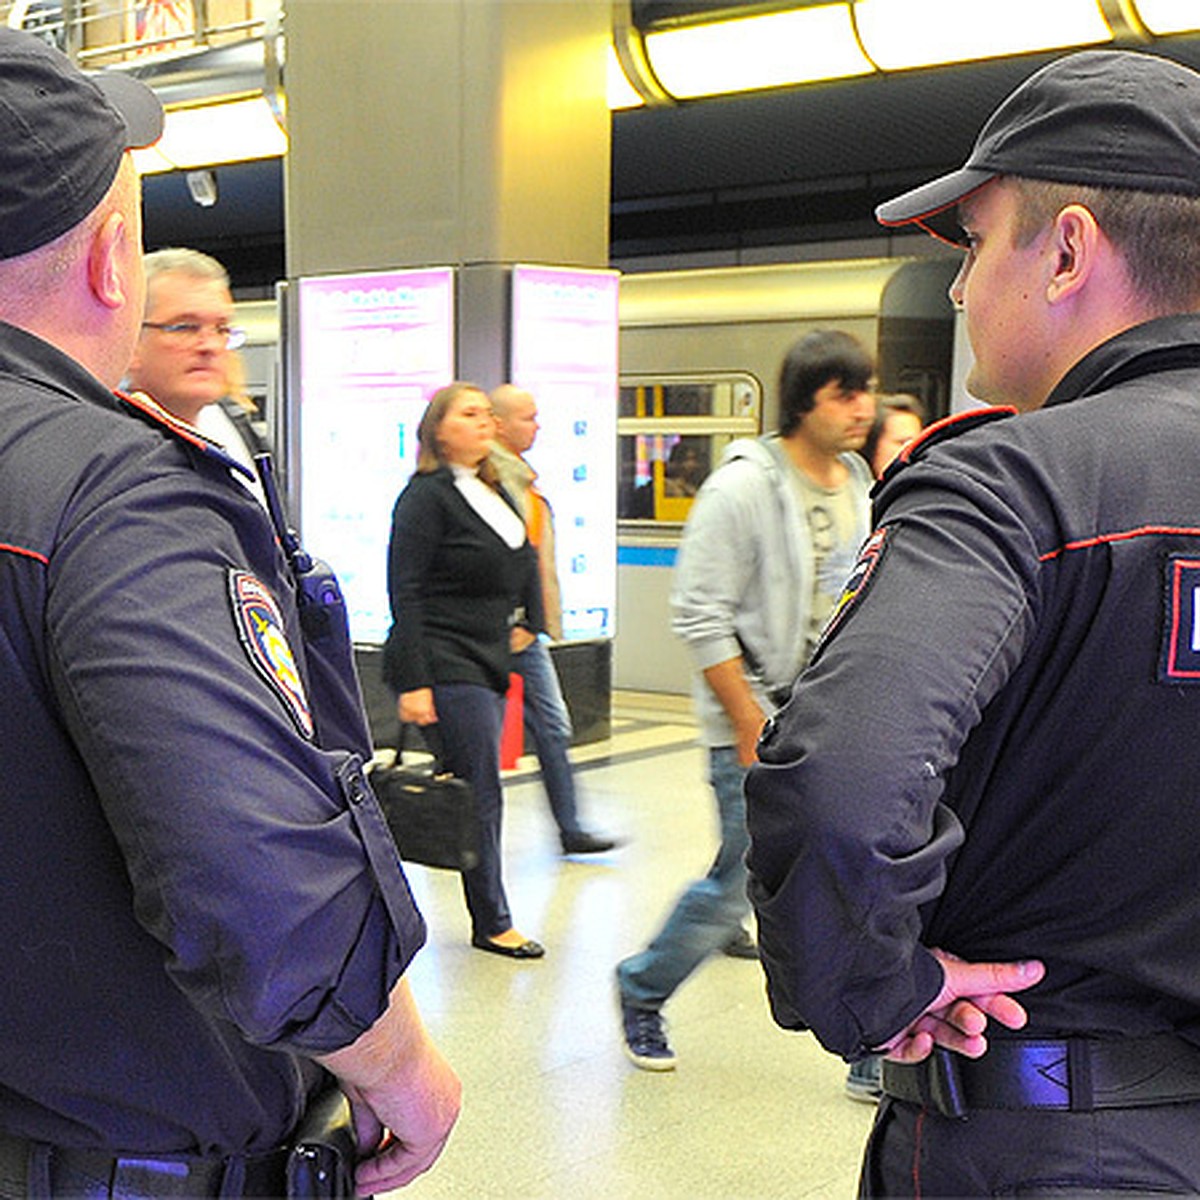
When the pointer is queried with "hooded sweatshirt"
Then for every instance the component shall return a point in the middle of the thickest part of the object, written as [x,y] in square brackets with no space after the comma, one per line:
[744,579]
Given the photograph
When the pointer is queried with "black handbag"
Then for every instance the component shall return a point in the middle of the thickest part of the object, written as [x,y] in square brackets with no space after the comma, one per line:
[430,812]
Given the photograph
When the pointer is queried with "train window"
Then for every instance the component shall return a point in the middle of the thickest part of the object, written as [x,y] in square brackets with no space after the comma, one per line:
[670,435]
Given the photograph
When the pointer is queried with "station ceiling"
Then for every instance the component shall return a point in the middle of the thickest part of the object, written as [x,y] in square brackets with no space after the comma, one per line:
[787,167]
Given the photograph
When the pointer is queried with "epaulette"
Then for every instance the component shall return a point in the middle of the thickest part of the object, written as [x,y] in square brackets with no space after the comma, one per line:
[153,412]
[942,431]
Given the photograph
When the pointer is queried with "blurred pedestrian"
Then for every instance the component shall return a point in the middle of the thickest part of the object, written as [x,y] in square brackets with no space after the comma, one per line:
[546,715]
[463,578]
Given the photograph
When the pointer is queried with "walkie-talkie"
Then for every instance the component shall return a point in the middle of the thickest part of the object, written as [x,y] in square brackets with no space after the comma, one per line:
[318,594]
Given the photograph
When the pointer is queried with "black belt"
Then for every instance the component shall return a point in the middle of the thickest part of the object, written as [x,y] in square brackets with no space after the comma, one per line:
[56,1171]
[1075,1074]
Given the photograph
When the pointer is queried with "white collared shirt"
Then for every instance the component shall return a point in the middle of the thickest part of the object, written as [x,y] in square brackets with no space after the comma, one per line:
[490,505]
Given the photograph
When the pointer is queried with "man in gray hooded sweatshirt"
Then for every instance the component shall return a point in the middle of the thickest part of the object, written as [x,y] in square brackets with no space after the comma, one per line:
[769,543]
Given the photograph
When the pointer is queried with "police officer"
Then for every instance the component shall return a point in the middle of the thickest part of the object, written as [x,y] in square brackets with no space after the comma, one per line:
[985,783]
[201,910]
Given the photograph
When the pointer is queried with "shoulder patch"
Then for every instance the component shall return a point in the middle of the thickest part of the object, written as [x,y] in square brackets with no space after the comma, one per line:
[869,558]
[945,429]
[259,624]
[1179,662]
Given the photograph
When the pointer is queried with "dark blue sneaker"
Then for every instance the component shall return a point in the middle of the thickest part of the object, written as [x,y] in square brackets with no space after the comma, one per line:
[646,1039]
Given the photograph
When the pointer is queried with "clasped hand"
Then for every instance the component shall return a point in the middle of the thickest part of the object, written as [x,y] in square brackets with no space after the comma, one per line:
[958,1016]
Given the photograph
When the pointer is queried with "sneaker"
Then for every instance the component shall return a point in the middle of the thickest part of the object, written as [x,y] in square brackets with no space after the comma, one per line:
[862,1082]
[646,1039]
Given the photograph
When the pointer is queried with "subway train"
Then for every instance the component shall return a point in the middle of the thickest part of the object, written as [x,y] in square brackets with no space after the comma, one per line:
[699,355]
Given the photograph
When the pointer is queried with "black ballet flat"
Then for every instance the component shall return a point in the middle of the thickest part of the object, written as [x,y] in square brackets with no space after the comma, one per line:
[526,949]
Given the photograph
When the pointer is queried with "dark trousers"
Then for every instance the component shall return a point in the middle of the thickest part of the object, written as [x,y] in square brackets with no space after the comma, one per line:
[470,718]
[1119,1152]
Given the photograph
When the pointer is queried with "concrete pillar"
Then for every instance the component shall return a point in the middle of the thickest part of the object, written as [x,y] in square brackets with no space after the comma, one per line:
[468,133]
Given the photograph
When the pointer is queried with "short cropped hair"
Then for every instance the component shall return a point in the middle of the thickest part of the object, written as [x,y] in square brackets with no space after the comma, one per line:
[1157,234]
[818,358]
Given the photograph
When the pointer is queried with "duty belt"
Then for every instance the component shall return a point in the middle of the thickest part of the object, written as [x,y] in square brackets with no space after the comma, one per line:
[50,1171]
[1076,1074]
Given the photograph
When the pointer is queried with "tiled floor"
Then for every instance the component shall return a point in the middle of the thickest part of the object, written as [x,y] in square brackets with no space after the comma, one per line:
[552,1107]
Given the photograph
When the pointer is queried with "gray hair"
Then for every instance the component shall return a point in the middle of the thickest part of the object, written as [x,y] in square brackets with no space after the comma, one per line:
[179,260]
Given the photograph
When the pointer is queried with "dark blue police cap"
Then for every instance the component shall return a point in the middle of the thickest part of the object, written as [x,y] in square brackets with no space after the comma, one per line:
[1102,118]
[62,135]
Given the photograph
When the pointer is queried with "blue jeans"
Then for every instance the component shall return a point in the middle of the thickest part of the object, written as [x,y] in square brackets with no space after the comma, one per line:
[470,718]
[549,725]
[712,909]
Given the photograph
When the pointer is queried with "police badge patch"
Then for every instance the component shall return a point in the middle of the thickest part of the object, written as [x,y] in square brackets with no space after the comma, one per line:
[1180,659]
[855,587]
[259,625]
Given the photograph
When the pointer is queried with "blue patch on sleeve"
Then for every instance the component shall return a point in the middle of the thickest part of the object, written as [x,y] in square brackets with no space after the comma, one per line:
[1180,661]
[869,558]
[259,625]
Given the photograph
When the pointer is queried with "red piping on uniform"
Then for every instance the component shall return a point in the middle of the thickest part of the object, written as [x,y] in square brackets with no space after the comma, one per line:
[1102,539]
[931,430]
[916,1162]
[25,553]
[157,413]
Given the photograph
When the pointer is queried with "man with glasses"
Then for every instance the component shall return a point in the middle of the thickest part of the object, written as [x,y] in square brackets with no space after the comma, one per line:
[186,359]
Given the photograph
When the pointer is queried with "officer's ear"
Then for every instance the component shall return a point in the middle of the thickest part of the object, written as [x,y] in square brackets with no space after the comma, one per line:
[109,261]
[1074,243]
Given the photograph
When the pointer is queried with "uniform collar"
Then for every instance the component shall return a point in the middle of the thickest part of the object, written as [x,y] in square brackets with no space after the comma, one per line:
[148,408]
[1163,344]
[27,356]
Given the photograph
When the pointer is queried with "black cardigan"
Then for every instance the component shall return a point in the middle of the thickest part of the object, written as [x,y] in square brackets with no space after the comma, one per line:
[454,586]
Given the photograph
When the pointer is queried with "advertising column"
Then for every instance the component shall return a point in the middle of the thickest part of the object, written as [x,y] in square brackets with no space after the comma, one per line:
[564,351]
[373,348]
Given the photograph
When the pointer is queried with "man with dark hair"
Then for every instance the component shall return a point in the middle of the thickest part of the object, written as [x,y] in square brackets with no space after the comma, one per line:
[815,360]
[203,910]
[985,782]
[770,539]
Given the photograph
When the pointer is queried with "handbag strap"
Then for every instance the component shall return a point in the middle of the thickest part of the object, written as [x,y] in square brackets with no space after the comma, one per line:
[430,736]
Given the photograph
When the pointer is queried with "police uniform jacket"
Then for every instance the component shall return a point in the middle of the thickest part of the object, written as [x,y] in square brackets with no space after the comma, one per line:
[198,891]
[996,749]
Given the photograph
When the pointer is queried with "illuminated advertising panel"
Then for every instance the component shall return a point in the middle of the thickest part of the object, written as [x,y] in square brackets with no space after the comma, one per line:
[564,351]
[373,348]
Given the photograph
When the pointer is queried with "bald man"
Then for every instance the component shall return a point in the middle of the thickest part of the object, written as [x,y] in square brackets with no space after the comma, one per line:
[546,715]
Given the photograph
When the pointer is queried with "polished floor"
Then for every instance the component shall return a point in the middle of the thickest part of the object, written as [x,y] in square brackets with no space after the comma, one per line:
[552,1108]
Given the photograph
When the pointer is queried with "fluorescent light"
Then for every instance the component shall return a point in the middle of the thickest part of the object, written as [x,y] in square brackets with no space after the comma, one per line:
[897,34]
[770,50]
[1168,16]
[621,93]
[209,134]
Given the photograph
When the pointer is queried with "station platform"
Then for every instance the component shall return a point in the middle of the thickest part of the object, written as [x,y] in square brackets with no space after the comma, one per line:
[552,1107]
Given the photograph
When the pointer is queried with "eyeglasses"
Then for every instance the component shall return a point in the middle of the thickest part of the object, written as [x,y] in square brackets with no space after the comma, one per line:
[188,333]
